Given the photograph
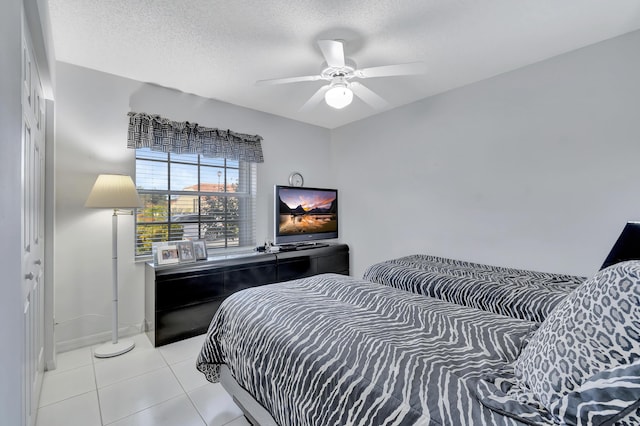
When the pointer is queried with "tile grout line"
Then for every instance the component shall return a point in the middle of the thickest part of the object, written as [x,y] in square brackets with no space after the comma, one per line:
[94,364]
[204,421]
[193,403]
[115,383]
[167,365]
[143,409]
[41,405]
[95,382]
[135,375]
[64,400]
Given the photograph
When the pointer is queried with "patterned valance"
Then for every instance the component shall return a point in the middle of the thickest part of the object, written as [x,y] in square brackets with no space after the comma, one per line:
[181,137]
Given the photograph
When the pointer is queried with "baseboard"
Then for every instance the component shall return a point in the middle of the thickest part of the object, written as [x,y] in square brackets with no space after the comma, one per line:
[94,339]
[50,365]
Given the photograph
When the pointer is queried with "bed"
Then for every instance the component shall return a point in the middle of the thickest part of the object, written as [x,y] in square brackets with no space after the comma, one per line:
[513,292]
[334,350]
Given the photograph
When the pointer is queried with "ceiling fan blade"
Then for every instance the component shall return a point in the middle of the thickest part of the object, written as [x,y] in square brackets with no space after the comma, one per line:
[315,99]
[367,95]
[287,80]
[333,52]
[412,68]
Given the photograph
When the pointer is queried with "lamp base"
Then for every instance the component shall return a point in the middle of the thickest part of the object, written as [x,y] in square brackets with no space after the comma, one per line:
[109,349]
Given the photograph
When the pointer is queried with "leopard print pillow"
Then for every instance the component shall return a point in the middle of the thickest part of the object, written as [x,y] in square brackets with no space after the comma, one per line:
[595,328]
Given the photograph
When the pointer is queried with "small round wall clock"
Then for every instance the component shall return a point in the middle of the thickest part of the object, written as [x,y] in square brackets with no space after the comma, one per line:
[296,179]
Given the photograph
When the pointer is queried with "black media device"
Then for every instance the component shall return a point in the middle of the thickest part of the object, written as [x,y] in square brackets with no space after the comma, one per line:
[304,215]
[627,247]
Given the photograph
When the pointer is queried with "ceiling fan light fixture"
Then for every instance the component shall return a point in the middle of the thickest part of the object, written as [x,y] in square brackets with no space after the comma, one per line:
[340,72]
[339,96]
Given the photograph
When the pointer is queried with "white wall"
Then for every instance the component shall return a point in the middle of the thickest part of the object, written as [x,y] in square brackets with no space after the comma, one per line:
[91,139]
[11,302]
[536,168]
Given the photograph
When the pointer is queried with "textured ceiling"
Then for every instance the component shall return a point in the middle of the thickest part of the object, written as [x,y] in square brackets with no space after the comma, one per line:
[220,49]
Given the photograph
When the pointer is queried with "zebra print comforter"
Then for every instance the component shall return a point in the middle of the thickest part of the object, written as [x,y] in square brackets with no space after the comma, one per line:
[334,350]
[513,292]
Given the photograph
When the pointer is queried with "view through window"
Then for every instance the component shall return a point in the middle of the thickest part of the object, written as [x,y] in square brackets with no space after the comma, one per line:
[188,196]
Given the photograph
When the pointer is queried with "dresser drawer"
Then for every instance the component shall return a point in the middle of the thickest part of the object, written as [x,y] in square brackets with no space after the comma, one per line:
[239,279]
[173,292]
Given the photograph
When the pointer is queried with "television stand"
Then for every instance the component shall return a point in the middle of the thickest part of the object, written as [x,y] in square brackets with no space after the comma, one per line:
[301,246]
[180,300]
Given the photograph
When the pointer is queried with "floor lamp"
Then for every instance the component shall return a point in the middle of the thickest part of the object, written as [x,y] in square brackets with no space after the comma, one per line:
[115,192]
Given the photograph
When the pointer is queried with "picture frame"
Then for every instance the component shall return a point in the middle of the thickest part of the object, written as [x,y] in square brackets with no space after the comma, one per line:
[200,249]
[185,251]
[168,255]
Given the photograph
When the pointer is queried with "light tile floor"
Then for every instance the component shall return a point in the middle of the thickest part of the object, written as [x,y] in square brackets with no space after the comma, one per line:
[147,386]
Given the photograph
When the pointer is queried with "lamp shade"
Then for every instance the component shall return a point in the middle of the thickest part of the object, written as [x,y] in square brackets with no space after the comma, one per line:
[113,191]
[339,96]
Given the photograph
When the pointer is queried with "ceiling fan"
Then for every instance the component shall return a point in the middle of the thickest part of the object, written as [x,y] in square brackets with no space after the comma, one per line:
[341,72]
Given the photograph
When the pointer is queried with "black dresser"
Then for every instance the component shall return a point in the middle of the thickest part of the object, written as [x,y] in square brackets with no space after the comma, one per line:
[180,300]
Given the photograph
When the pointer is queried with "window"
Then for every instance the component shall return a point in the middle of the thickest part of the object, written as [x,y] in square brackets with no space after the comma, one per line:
[188,196]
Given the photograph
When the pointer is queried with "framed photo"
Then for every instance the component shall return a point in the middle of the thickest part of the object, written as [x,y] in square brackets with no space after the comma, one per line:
[168,255]
[185,251]
[200,249]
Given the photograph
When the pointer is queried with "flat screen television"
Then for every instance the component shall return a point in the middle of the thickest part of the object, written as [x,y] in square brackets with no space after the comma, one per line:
[627,247]
[305,214]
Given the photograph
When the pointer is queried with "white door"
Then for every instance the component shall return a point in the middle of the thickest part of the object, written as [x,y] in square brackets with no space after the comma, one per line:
[32,230]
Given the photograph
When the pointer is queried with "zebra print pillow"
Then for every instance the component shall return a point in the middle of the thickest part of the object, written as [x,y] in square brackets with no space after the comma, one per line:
[603,399]
[597,327]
